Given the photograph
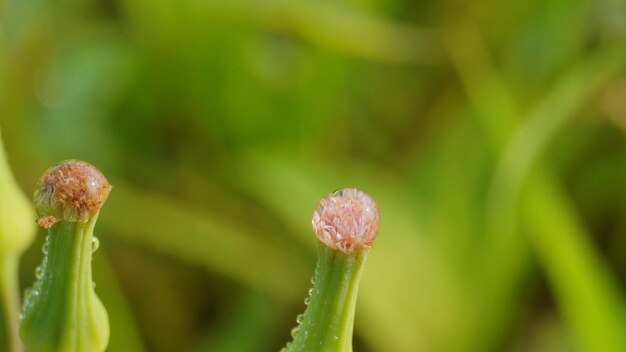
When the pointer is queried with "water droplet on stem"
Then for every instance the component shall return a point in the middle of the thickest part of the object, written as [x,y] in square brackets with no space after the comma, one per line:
[39,272]
[46,245]
[95,243]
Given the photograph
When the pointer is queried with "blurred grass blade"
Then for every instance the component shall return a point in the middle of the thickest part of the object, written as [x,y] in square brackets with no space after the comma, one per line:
[498,115]
[192,235]
[562,241]
[248,329]
[586,291]
[125,336]
[339,27]
[559,105]
[495,106]
[551,114]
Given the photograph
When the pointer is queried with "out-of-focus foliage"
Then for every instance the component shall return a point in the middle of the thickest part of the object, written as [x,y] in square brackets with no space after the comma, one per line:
[490,133]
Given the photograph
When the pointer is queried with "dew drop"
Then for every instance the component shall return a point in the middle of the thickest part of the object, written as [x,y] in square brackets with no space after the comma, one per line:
[307,301]
[27,293]
[311,291]
[300,318]
[46,245]
[294,332]
[314,279]
[39,271]
[95,243]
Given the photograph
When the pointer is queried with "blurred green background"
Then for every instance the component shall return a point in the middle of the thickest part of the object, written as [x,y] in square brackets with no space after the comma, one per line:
[490,133]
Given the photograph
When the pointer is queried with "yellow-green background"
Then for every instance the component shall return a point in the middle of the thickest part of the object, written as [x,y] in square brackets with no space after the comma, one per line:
[491,134]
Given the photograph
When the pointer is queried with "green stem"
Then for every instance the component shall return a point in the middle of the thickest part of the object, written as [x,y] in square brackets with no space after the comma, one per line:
[328,321]
[9,307]
[62,312]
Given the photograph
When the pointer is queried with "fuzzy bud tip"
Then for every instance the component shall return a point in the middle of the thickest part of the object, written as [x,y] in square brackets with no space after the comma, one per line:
[70,191]
[346,220]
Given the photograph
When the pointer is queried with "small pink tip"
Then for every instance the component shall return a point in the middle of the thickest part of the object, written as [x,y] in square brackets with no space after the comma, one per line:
[346,220]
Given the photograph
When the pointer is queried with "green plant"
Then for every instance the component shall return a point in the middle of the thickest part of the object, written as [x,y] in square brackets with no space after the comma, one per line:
[346,223]
[17,231]
[62,311]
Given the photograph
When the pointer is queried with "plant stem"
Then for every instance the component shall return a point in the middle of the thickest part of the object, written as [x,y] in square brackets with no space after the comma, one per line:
[62,312]
[9,307]
[328,321]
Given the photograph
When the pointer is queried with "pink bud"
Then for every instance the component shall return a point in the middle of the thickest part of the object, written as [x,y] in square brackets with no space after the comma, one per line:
[346,220]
